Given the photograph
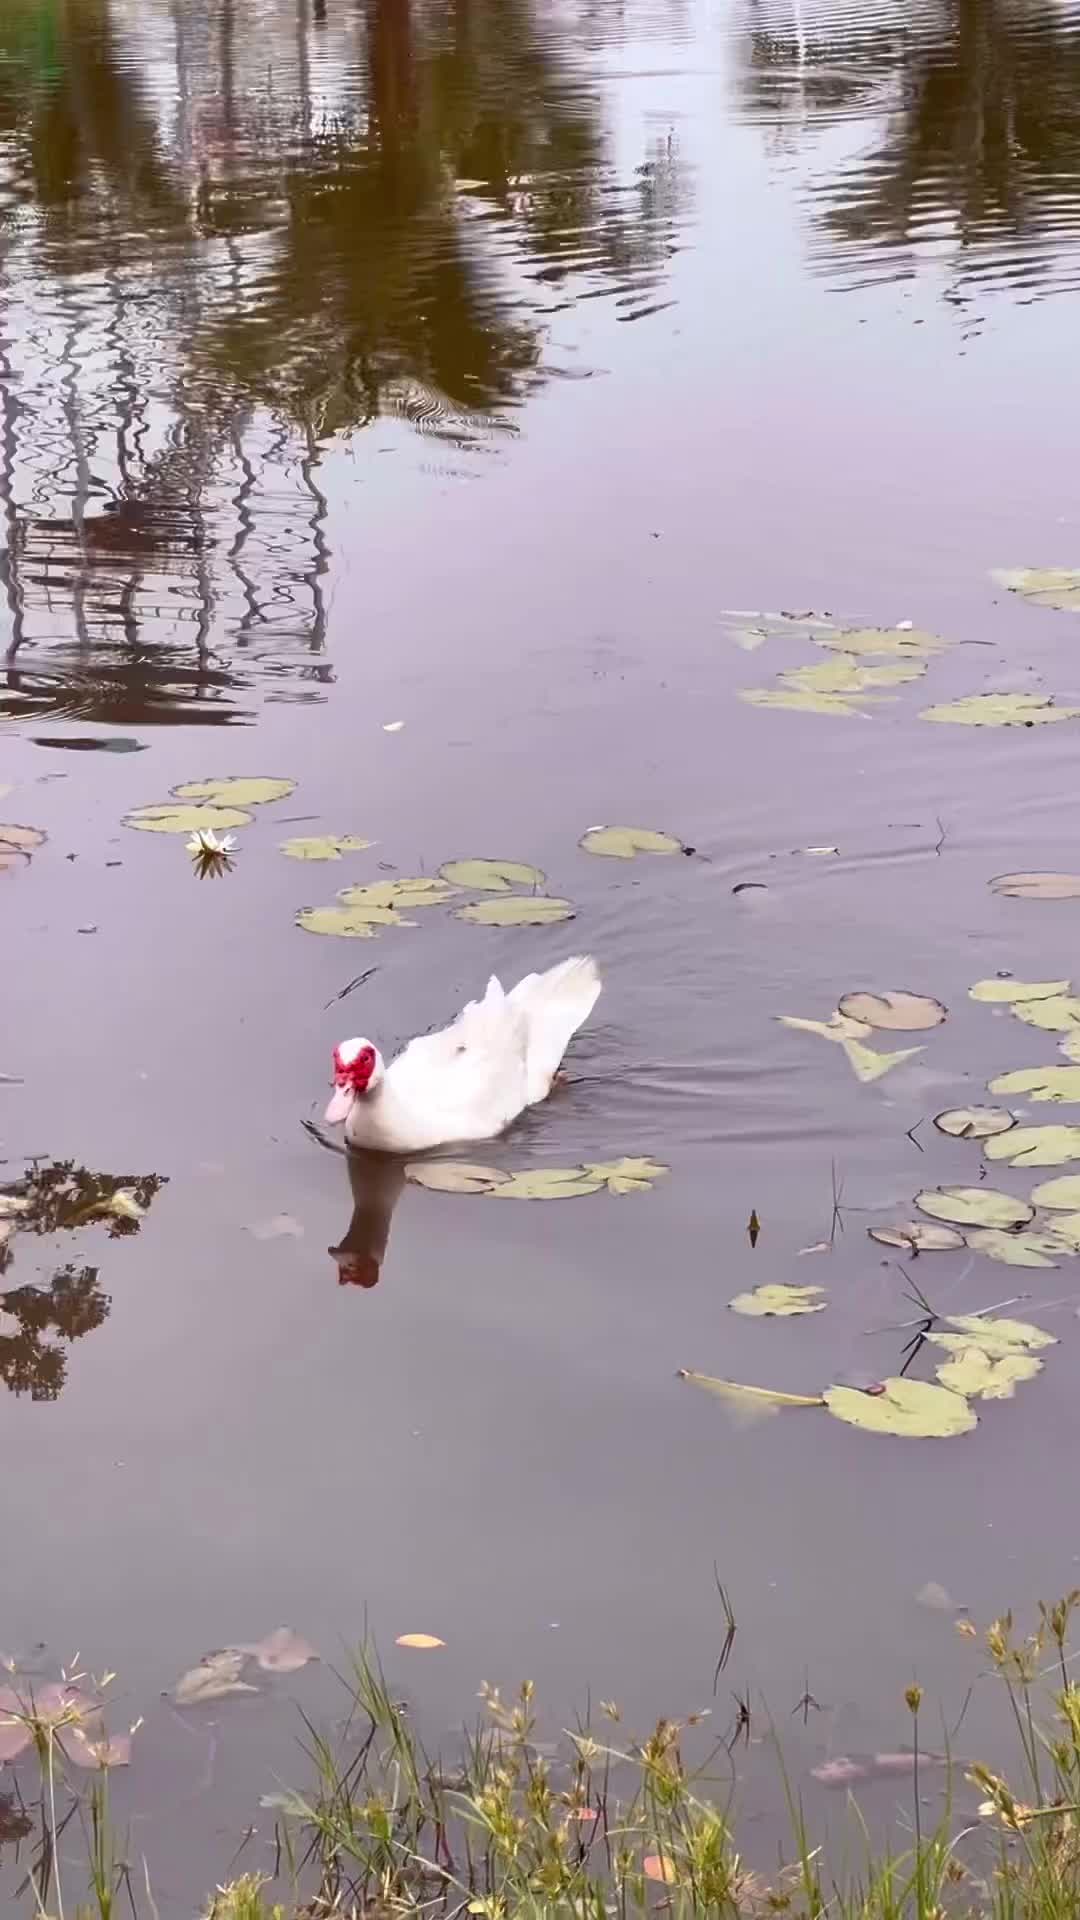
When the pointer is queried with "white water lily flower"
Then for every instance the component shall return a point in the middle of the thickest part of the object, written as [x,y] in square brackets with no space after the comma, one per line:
[205,841]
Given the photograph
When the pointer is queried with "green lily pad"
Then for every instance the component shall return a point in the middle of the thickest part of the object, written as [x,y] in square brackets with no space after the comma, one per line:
[454,1176]
[1059,1084]
[422,890]
[994,1335]
[974,1123]
[1057,587]
[912,1408]
[1037,886]
[626,1175]
[1015,991]
[172,817]
[1000,710]
[916,1236]
[516,910]
[749,1402]
[1017,1249]
[323,846]
[781,1302]
[1059,1014]
[350,923]
[235,790]
[625,843]
[1063,1193]
[904,1012]
[978,1377]
[1035,1146]
[846,675]
[491,876]
[1066,1231]
[975,1207]
[883,641]
[547,1183]
[802,700]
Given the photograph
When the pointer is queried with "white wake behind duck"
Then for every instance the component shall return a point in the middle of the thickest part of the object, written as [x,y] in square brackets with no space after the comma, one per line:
[469,1081]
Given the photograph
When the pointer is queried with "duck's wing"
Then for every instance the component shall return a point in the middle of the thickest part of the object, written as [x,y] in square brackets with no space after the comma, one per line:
[554,1005]
[474,1072]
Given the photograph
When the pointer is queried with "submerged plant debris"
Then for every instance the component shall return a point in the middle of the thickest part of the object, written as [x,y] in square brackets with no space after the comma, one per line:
[866,1063]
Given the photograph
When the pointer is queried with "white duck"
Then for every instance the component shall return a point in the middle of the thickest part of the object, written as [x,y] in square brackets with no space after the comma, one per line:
[469,1081]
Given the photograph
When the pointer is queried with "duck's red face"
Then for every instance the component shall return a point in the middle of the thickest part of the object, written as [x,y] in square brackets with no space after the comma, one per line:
[355,1062]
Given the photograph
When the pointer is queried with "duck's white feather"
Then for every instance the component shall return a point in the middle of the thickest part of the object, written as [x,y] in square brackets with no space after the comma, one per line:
[469,1081]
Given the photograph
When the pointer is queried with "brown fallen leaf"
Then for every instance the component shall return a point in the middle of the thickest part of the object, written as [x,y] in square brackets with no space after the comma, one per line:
[424,1642]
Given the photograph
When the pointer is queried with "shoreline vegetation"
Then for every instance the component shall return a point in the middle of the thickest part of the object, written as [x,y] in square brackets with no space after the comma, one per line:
[602,1828]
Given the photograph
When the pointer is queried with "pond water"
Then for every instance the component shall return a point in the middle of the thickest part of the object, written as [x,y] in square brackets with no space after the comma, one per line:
[421,404]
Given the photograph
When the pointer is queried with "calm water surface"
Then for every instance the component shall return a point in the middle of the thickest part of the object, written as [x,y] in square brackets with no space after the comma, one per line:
[464,366]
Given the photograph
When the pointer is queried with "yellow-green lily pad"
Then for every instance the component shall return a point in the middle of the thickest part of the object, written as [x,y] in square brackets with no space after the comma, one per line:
[802,700]
[1059,1014]
[994,1335]
[900,1011]
[1037,886]
[323,846]
[1063,1193]
[1015,991]
[1017,1249]
[173,817]
[1035,1146]
[626,1175]
[975,1207]
[837,1028]
[868,1065]
[883,641]
[454,1176]
[783,1303]
[912,1408]
[1057,587]
[974,1123]
[422,890]
[1065,1229]
[749,1402]
[1059,1084]
[547,1183]
[916,1236]
[235,790]
[979,1377]
[350,923]
[1000,710]
[625,843]
[491,876]
[516,910]
[846,675]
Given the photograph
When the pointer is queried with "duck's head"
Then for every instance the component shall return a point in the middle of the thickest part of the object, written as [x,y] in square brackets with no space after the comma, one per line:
[358,1069]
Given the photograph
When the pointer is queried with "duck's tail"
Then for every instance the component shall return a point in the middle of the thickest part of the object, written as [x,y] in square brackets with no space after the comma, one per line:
[555,1004]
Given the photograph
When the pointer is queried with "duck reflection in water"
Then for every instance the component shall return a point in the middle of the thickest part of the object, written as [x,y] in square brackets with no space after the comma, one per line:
[376,1180]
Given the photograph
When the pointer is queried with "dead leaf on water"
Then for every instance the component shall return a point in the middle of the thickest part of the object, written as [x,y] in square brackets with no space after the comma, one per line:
[1000,710]
[1013,992]
[625,843]
[910,1408]
[17,844]
[516,910]
[216,1675]
[283,1651]
[323,846]
[976,1123]
[1037,886]
[420,1642]
[1018,1249]
[867,1065]
[974,1207]
[837,1028]
[899,1010]
[1057,587]
[124,1205]
[1052,1146]
[235,790]
[1058,1084]
[916,1236]
[781,1302]
[749,1402]
[454,1176]
[491,876]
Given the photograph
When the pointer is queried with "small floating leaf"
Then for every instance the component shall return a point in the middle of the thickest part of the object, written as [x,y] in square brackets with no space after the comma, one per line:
[1017,1249]
[837,1028]
[84,1750]
[123,1205]
[1059,1014]
[801,700]
[1063,1193]
[1057,587]
[751,1402]
[1059,1084]
[627,1176]
[917,1237]
[1037,886]
[624,843]
[912,1408]
[883,641]
[454,1176]
[906,1012]
[780,1301]
[350,923]
[216,1675]
[491,876]
[1035,1146]
[974,1123]
[516,910]
[18,843]
[235,791]
[324,846]
[1013,991]
[421,890]
[171,817]
[994,1335]
[547,1183]
[282,1651]
[975,1207]
[420,1642]
[1000,710]
[868,1065]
